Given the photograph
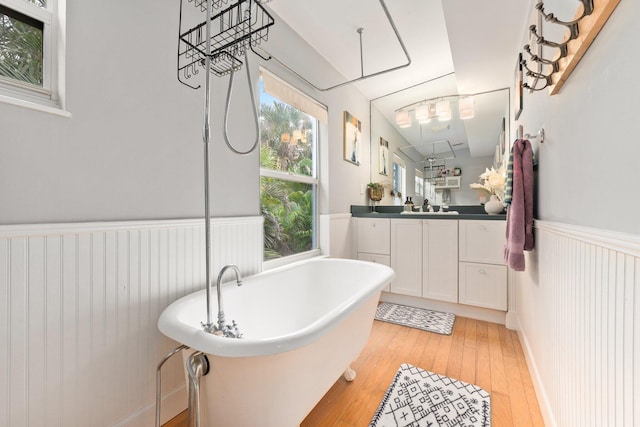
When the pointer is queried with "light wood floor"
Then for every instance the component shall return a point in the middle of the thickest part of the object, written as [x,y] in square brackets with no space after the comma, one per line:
[481,353]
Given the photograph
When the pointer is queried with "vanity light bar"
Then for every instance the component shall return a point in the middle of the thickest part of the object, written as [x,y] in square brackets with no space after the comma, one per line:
[441,109]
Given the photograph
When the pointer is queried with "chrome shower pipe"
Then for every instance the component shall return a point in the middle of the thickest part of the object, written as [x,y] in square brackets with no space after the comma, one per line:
[197,366]
[206,136]
[159,380]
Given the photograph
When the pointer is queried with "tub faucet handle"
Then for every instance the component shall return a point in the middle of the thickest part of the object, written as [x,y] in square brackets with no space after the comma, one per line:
[231,331]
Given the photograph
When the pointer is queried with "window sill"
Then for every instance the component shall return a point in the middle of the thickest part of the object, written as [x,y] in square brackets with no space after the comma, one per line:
[34,106]
[279,262]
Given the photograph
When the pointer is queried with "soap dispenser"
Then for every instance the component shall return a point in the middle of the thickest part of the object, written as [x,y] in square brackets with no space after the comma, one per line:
[408,205]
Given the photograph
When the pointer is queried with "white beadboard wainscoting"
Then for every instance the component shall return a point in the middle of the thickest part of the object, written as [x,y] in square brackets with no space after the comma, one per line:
[79,303]
[578,311]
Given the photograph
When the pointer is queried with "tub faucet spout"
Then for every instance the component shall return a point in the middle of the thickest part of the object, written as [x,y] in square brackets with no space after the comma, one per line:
[230,331]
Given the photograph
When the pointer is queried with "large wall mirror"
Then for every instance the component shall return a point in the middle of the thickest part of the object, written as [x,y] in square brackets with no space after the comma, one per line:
[411,142]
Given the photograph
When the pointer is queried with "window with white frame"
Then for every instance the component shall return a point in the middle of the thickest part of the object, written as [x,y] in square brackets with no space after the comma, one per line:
[31,51]
[289,123]
[399,176]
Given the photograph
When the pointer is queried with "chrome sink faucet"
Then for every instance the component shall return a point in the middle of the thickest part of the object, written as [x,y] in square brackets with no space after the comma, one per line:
[229,331]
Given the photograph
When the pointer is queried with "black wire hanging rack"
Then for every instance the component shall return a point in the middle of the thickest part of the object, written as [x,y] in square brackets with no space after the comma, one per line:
[233,29]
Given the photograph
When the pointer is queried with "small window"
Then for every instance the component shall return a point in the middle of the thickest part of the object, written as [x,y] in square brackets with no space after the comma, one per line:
[399,176]
[20,47]
[288,167]
[30,51]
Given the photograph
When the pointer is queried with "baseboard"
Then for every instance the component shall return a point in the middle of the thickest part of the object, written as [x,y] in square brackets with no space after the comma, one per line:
[511,320]
[173,403]
[477,313]
[534,373]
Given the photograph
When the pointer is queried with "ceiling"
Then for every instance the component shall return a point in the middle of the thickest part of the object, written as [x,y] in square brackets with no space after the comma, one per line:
[458,46]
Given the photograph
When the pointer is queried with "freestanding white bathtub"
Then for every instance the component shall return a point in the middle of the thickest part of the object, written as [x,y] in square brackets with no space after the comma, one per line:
[302,325]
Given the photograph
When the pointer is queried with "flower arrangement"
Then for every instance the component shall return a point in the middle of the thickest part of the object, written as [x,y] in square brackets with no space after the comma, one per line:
[493,182]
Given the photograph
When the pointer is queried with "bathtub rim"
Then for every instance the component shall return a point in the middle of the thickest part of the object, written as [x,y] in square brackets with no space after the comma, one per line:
[196,338]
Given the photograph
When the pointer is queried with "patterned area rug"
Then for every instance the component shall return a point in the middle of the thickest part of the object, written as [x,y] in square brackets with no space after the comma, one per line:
[419,318]
[419,398]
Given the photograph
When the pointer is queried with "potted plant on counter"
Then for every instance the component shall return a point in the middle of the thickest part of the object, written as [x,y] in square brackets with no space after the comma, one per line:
[375,190]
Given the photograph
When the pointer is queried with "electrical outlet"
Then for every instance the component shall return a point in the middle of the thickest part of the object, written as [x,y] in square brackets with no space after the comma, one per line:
[361,188]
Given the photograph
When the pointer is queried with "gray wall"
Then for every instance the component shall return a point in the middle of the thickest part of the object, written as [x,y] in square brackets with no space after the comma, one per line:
[588,164]
[133,150]
[133,147]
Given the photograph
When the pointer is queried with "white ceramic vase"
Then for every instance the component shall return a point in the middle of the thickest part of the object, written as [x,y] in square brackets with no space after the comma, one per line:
[494,206]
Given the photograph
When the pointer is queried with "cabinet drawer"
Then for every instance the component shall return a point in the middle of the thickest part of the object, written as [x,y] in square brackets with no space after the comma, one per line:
[482,241]
[483,285]
[374,235]
[379,259]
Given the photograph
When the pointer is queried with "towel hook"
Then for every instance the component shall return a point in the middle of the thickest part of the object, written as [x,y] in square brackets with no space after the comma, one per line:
[564,50]
[548,79]
[574,31]
[539,136]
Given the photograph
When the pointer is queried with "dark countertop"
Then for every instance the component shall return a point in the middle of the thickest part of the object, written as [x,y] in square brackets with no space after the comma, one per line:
[464,212]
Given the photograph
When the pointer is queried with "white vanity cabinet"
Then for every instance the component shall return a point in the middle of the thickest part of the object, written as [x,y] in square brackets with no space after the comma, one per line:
[374,241]
[482,271]
[440,260]
[456,261]
[406,256]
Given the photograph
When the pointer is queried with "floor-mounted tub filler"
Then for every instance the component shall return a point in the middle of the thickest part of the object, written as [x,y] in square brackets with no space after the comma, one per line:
[298,327]
[302,325]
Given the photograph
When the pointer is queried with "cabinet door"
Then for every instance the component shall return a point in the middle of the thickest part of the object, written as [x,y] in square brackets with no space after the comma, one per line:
[440,260]
[380,259]
[406,256]
[374,235]
[482,241]
[483,285]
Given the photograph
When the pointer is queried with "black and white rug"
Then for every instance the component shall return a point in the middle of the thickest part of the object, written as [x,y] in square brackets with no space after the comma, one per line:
[419,398]
[419,318]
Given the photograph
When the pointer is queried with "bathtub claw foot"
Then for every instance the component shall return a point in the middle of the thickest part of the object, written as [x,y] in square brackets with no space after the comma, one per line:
[349,374]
